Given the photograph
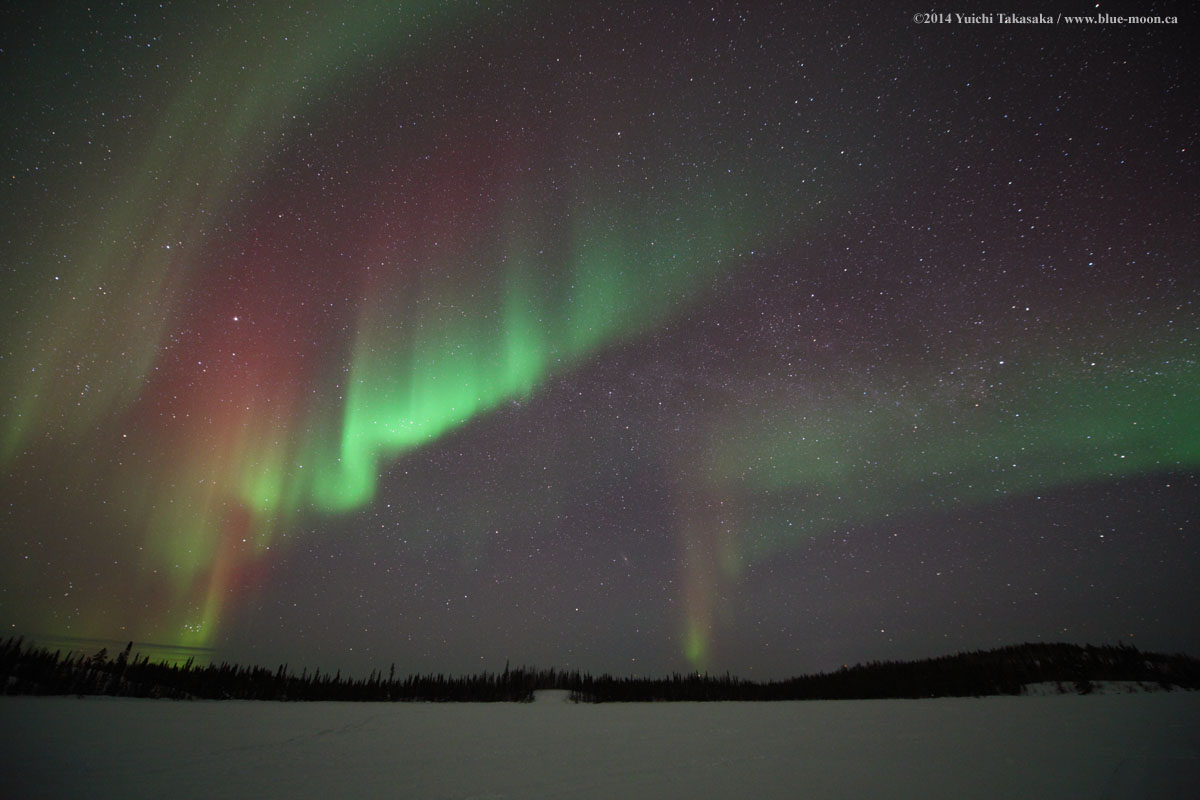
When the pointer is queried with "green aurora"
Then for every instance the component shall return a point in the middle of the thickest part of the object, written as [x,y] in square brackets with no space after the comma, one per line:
[270,257]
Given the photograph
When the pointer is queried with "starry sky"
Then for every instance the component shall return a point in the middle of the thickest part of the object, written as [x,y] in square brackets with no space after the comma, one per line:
[629,337]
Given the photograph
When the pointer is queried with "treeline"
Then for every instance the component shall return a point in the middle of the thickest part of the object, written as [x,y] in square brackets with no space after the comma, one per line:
[33,670]
[977,674]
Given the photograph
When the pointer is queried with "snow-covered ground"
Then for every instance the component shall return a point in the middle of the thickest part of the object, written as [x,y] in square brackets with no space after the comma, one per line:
[1106,746]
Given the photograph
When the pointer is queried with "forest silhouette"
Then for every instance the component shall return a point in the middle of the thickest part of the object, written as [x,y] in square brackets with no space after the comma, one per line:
[32,670]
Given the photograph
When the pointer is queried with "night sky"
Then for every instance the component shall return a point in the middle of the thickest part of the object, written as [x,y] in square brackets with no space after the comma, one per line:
[625,337]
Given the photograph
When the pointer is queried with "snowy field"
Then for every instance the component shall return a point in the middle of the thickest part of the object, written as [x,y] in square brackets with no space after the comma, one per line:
[1109,746]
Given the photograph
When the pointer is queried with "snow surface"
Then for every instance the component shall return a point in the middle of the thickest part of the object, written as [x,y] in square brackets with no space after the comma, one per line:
[1144,745]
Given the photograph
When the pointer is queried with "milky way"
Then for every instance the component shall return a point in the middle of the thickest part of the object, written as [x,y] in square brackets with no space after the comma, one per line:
[750,338]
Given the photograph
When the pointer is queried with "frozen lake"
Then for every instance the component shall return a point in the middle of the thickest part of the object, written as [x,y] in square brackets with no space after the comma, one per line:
[1111,746]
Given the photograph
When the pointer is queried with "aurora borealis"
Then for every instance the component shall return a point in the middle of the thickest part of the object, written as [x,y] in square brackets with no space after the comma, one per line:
[737,337]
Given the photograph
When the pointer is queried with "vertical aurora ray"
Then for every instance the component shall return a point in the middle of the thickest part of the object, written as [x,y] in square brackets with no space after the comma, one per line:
[709,562]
